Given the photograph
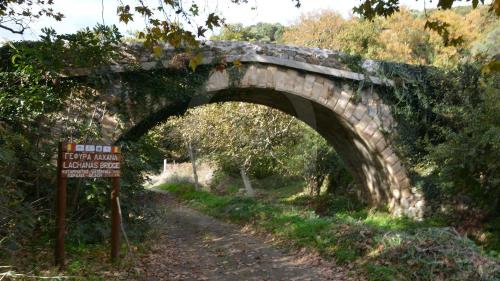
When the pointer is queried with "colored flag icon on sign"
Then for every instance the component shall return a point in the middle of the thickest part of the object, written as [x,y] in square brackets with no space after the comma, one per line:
[90,148]
[80,147]
[70,147]
[98,148]
[116,149]
[106,148]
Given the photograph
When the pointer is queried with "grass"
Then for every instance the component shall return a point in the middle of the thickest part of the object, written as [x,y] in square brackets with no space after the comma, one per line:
[379,246]
[84,260]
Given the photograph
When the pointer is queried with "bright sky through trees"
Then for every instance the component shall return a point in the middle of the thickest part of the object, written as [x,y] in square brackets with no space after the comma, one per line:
[80,14]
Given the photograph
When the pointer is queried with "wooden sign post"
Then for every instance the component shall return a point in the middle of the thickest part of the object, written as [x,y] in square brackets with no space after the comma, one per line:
[87,161]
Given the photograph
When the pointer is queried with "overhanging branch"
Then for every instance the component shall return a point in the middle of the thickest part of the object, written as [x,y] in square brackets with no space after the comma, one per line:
[20,31]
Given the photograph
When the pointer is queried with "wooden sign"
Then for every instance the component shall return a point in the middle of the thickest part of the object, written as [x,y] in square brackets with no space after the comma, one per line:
[87,161]
[90,161]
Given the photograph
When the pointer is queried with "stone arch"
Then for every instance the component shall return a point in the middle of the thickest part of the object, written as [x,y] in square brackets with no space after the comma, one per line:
[357,130]
[311,84]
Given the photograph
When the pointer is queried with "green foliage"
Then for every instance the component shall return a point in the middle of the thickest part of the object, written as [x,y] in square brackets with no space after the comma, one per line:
[262,32]
[238,135]
[25,96]
[31,96]
[448,122]
[468,158]
[54,52]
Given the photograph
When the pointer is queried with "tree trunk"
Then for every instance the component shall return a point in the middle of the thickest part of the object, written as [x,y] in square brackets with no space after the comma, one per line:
[250,192]
[193,162]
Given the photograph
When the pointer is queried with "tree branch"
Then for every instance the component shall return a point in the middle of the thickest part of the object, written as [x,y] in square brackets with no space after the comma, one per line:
[21,31]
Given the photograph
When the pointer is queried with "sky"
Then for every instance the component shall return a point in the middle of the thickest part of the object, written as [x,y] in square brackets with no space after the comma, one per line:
[87,13]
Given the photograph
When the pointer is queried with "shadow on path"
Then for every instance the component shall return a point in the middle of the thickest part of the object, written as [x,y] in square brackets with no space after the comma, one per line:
[193,246]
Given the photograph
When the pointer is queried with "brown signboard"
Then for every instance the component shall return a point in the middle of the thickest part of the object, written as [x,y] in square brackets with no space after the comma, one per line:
[87,161]
[90,161]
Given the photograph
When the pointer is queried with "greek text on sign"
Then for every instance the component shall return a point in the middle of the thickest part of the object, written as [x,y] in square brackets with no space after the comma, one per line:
[90,161]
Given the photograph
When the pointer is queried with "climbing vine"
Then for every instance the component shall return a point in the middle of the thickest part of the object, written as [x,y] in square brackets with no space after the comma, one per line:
[435,110]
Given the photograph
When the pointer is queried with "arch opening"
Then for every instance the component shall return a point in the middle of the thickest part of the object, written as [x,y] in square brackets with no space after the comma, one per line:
[340,106]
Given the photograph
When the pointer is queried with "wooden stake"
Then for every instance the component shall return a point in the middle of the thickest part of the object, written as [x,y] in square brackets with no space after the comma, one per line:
[115,221]
[60,211]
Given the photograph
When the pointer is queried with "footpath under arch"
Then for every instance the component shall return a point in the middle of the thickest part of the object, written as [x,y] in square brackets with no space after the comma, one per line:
[314,85]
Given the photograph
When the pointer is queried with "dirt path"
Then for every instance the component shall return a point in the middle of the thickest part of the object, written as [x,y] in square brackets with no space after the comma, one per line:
[193,246]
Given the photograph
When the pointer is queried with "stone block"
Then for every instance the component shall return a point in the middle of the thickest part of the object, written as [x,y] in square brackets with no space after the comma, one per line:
[412,212]
[244,80]
[252,77]
[370,129]
[341,102]
[395,168]
[401,175]
[262,77]
[397,211]
[349,109]
[388,123]
[317,90]
[270,79]
[392,203]
[280,80]
[387,152]
[381,145]
[360,111]
[405,193]
[363,123]
[148,65]
[420,204]
[395,193]
[389,156]
[372,110]
[404,203]
[308,85]
[405,183]
[376,137]
[298,87]
[290,80]
[217,81]
[334,96]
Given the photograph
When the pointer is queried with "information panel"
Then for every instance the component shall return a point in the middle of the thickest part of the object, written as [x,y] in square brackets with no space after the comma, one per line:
[90,161]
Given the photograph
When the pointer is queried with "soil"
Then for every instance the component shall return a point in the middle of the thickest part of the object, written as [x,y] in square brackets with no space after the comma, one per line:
[194,246]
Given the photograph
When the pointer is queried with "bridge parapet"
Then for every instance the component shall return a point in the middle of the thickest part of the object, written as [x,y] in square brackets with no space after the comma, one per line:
[134,56]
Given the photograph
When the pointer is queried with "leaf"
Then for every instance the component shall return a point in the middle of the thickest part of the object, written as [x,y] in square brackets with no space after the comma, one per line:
[144,11]
[445,4]
[213,20]
[237,63]
[492,66]
[194,9]
[442,29]
[195,61]
[201,31]
[124,14]
[157,50]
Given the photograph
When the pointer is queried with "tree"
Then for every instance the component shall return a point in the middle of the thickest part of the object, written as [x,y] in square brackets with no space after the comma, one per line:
[263,32]
[162,22]
[17,15]
[239,136]
[400,37]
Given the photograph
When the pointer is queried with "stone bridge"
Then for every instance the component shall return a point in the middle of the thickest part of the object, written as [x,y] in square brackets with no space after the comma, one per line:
[316,86]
